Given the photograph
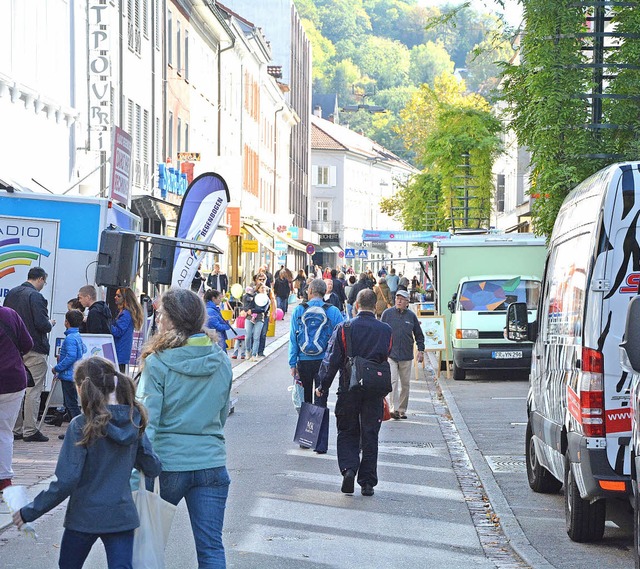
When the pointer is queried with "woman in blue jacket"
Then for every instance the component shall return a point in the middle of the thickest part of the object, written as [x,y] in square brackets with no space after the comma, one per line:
[185,386]
[215,321]
[129,318]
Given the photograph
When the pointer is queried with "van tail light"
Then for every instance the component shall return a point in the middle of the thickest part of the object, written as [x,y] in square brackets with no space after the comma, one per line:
[591,393]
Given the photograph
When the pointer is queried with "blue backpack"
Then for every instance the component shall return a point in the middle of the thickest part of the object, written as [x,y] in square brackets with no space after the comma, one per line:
[315,329]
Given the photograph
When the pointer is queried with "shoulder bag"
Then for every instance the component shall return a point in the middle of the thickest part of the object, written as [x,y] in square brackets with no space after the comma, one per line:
[373,378]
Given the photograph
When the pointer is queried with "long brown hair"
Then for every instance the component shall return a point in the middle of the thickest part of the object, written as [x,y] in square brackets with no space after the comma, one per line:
[96,379]
[130,302]
[187,314]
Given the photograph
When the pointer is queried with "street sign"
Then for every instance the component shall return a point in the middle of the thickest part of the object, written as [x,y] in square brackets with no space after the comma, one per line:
[310,249]
[189,156]
[350,253]
[341,254]
[363,254]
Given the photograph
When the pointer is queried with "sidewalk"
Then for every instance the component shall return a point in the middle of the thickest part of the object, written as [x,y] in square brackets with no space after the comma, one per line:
[34,463]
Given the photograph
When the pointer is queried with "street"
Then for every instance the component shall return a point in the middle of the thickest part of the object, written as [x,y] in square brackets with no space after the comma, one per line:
[430,509]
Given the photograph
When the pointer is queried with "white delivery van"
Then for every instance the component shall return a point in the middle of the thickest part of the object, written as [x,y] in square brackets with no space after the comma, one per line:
[477,310]
[579,424]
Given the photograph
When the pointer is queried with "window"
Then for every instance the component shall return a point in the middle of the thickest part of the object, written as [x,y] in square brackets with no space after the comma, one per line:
[138,131]
[496,294]
[186,55]
[186,137]
[179,46]
[500,192]
[179,146]
[324,176]
[322,210]
[158,16]
[145,18]
[170,38]
[170,137]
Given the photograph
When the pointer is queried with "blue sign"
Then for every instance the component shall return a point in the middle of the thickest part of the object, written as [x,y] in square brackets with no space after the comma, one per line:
[362,254]
[310,249]
[349,253]
[404,236]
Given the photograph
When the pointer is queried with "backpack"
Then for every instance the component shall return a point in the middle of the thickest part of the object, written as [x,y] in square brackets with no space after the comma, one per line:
[315,329]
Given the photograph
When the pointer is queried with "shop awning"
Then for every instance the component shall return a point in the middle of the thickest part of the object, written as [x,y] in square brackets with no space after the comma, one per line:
[291,242]
[262,237]
[154,208]
[328,249]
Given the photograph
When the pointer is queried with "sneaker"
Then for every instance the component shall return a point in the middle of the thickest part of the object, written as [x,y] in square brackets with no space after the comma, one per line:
[367,490]
[37,437]
[61,437]
[4,483]
[394,415]
[403,416]
[17,437]
[234,357]
[241,357]
[348,481]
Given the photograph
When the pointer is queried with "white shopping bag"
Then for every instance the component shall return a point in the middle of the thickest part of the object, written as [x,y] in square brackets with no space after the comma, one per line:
[151,537]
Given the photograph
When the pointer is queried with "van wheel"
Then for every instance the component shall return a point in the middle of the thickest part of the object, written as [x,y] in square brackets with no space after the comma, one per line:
[584,520]
[540,479]
[458,372]
[636,524]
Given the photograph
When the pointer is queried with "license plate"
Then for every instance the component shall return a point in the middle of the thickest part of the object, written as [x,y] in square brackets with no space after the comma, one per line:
[506,355]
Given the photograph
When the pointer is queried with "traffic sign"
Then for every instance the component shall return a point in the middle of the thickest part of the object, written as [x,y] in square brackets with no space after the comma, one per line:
[341,254]
[363,254]
[310,249]
[350,253]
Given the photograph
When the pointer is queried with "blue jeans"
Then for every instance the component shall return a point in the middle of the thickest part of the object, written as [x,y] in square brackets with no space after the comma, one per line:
[252,336]
[282,303]
[76,545]
[70,397]
[206,494]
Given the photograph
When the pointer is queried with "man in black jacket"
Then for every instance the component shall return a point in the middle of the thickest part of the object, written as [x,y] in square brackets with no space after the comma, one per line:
[358,414]
[217,280]
[362,284]
[27,301]
[99,316]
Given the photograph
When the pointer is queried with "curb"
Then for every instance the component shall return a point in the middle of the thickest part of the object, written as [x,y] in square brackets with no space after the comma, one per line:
[508,521]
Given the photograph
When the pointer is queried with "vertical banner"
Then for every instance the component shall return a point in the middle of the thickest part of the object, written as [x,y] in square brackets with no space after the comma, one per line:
[121,167]
[203,206]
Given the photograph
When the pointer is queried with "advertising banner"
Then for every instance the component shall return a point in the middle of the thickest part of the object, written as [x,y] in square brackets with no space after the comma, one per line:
[203,206]
[405,236]
[121,167]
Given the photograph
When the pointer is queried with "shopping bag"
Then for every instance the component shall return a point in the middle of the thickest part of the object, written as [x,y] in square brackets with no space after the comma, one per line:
[297,393]
[309,430]
[150,538]
[386,414]
[292,298]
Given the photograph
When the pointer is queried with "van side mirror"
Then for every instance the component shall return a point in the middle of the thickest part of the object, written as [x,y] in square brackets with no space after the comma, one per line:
[452,303]
[517,322]
[630,347]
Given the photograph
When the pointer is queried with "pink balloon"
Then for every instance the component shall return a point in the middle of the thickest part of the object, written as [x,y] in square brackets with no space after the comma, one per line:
[279,314]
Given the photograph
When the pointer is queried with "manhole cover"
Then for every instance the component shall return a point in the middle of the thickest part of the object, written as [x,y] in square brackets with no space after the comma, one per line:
[506,464]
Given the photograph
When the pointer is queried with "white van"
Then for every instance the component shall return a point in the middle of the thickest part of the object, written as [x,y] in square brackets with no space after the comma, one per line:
[579,424]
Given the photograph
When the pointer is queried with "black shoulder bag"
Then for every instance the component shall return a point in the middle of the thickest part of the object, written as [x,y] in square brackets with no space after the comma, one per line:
[12,337]
[374,379]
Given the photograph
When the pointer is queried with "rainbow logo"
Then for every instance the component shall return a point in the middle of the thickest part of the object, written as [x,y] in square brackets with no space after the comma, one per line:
[13,254]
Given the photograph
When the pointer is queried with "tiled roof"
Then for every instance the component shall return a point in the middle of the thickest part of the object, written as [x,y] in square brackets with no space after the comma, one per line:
[320,140]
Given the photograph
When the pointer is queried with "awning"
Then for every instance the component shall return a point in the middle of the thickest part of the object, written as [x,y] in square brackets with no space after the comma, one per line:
[291,242]
[150,207]
[262,237]
[328,249]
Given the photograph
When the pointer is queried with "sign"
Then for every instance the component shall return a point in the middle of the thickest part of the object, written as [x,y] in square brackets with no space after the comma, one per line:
[350,253]
[310,249]
[363,254]
[233,221]
[188,156]
[249,246]
[434,333]
[280,246]
[121,167]
[99,73]
[294,231]
[101,345]
[404,236]
[341,254]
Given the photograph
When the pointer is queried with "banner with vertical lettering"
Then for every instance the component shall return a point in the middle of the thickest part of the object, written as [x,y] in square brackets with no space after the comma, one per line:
[203,206]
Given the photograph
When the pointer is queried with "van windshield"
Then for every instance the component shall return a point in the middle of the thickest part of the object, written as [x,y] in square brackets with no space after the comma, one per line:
[496,294]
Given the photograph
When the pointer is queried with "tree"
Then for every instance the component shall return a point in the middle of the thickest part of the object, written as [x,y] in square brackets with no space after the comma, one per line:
[427,61]
[383,60]
[323,53]
[343,19]
[485,62]
[346,74]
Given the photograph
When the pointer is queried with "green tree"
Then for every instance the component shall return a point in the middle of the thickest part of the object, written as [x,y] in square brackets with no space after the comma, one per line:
[485,62]
[346,74]
[323,53]
[383,60]
[427,61]
[343,19]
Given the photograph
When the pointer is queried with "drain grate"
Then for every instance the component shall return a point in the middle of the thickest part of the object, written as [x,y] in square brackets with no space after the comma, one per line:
[405,444]
[506,464]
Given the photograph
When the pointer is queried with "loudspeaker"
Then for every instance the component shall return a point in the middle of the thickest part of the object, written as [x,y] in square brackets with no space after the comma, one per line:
[116,259]
[161,263]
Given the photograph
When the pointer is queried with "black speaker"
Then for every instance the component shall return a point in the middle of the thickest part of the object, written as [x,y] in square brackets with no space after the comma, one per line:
[116,259]
[161,263]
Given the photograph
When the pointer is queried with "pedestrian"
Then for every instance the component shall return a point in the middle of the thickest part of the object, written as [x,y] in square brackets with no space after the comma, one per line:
[371,280]
[128,319]
[72,350]
[299,283]
[215,321]
[15,342]
[185,386]
[98,319]
[270,312]
[338,288]
[197,281]
[392,281]
[256,312]
[351,281]
[239,344]
[406,331]
[101,447]
[218,280]
[331,297]
[268,276]
[282,290]
[29,303]
[74,304]
[357,287]
[403,283]
[383,295]
[312,324]
[358,414]
[327,273]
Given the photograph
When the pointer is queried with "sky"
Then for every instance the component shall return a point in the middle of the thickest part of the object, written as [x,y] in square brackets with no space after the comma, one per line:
[512,10]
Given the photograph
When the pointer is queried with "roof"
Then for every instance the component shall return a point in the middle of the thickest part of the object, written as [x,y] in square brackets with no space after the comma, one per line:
[326,135]
[328,103]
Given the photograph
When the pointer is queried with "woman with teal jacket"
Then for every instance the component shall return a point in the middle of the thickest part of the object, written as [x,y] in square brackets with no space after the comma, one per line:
[185,386]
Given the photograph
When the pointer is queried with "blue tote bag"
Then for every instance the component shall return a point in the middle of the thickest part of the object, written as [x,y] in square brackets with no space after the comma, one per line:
[312,429]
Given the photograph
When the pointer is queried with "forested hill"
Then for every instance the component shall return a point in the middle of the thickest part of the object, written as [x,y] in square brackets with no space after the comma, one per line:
[378,52]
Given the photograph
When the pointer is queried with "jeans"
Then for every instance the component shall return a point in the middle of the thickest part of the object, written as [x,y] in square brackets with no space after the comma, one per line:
[76,545]
[27,422]
[206,494]
[282,303]
[252,336]
[70,397]
[263,336]
[239,348]
[9,409]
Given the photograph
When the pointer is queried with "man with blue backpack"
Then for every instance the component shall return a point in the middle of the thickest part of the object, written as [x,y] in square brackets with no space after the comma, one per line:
[312,324]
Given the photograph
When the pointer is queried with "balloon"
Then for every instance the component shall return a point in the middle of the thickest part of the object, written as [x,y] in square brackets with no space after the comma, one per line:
[261,299]
[236,290]
[279,314]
